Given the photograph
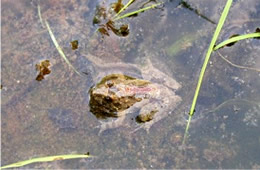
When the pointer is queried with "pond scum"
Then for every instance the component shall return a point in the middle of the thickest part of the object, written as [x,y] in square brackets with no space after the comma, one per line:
[119,8]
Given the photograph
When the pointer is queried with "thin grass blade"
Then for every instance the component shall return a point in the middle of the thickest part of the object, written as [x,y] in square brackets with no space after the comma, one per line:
[44,159]
[237,66]
[235,39]
[59,48]
[40,15]
[126,6]
[137,11]
[203,69]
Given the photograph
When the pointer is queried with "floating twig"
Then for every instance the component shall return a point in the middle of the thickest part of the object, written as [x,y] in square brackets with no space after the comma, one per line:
[237,66]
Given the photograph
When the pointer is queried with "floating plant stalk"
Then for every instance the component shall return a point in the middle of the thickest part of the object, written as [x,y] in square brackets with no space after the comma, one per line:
[203,69]
[237,38]
[129,3]
[40,15]
[237,66]
[136,12]
[44,159]
[59,48]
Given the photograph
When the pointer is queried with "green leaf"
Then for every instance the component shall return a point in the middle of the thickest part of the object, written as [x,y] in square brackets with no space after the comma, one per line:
[136,12]
[203,69]
[129,3]
[235,39]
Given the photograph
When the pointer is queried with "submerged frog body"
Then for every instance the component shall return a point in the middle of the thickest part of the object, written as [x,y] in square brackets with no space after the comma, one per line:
[117,93]
[120,94]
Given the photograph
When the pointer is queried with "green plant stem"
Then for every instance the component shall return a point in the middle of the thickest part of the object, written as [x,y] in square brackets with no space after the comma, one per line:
[40,15]
[59,48]
[235,39]
[44,159]
[203,69]
[136,12]
[129,3]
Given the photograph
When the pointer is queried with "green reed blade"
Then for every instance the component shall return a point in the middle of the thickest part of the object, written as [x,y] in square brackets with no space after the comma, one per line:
[59,48]
[40,15]
[129,3]
[44,159]
[235,39]
[203,69]
[136,12]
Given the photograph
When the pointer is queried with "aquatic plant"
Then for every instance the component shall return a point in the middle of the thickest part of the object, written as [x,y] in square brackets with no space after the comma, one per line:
[59,48]
[237,38]
[204,66]
[54,40]
[45,159]
[113,13]
[136,12]
[212,48]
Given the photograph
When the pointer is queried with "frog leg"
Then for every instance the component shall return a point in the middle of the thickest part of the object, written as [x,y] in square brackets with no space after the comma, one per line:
[148,115]
[158,110]
[149,72]
[113,124]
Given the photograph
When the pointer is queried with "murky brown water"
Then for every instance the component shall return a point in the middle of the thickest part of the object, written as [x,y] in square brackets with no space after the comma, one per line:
[51,117]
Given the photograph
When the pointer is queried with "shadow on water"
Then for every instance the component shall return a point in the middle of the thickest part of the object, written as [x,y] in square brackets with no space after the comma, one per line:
[52,117]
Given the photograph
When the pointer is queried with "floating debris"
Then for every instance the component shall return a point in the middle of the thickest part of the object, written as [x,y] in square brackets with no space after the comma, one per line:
[103,31]
[257,31]
[58,47]
[43,68]
[122,31]
[117,6]
[232,43]
[74,44]
[105,17]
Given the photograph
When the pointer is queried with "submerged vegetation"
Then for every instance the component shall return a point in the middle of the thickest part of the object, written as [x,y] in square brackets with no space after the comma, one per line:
[203,69]
[211,48]
[59,48]
[235,38]
[106,17]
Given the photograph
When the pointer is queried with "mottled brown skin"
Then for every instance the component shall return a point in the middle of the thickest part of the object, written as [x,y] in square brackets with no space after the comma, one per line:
[117,95]
[112,95]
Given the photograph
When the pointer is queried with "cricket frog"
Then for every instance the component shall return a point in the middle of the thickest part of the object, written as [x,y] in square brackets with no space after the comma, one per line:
[125,92]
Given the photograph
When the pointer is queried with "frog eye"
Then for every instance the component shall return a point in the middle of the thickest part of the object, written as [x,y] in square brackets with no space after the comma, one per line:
[109,83]
[108,99]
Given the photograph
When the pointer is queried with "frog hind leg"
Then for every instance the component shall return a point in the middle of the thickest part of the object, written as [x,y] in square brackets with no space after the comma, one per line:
[111,124]
[157,111]
[148,115]
[150,72]
[146,126]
